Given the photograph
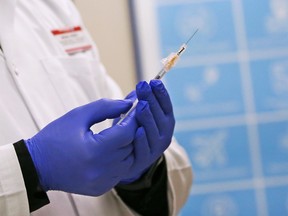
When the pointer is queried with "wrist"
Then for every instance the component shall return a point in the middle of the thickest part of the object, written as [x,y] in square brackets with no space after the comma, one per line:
[34,154]
[35,194]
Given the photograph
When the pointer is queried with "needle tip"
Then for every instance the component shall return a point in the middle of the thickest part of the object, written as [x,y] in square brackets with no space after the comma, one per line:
[192,36]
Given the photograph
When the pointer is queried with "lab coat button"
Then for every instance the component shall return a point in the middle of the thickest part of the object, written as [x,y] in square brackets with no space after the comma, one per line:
[16,72]
[15,69]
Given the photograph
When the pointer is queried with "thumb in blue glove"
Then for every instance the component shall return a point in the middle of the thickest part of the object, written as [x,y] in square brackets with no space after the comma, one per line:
[69,157]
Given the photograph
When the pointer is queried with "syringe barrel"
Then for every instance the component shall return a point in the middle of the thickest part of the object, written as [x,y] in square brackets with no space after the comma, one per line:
[161,74]
[123,116]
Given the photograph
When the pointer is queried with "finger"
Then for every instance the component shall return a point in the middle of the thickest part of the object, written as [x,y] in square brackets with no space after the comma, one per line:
[162,96]
[109,153]
[164,100]
[118,135]
[146,120]
[141,147]
[144,92]
[123,152]
[121,167]
[141,157]
[99,110]
[132,96]
[126,165]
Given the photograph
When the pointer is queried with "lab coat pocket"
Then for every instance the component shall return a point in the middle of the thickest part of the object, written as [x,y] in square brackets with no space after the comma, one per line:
[77,81]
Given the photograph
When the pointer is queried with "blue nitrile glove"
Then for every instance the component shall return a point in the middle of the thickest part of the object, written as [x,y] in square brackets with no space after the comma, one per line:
[69,157]
[155,117]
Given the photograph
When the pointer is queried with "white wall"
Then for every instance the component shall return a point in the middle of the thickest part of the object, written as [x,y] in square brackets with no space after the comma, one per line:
[109,23]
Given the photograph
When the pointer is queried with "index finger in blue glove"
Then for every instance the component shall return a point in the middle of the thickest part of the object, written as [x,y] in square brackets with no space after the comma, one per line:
[162,96]
[123,132]
[102,109]
[164,100]
[146,120]
[144,92]
[131,96]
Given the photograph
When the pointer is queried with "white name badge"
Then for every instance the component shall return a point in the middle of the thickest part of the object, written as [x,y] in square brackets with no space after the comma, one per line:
[73,40]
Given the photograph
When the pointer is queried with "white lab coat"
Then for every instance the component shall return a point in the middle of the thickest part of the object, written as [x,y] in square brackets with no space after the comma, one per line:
[39,82]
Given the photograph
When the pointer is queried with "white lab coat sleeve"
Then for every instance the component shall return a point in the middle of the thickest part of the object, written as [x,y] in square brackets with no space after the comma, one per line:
[13,198]
[180,176]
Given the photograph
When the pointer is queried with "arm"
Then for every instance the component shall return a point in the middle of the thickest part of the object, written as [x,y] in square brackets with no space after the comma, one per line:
[43,158]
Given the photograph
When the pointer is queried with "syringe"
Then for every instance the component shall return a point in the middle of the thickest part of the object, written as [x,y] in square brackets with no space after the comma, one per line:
[168,63]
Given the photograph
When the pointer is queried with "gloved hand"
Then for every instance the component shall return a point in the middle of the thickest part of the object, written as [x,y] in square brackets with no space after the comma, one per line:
[155,117]
[69,157]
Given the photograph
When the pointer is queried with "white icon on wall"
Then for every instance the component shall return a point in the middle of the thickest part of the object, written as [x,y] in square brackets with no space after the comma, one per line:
[195,92]
[220,206]
[277,21]
[210,150]
[279,77]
